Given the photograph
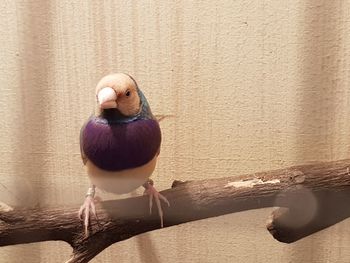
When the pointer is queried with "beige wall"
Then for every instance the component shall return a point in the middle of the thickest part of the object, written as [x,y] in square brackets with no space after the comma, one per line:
[249,85]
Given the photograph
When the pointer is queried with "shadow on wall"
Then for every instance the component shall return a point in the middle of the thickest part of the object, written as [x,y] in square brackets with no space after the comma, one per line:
[319,53]
[34,23]
[316,106]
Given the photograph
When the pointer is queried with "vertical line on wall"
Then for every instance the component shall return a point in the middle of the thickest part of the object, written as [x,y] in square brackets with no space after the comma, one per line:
[135,36]
[316,102]
[32,143]
[177,60]
[102,61]
[319,70]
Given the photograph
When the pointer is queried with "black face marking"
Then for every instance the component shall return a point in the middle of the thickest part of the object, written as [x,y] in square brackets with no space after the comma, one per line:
[112,114]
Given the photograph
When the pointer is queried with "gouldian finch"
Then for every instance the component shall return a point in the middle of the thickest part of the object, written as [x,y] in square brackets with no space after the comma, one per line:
[120,143]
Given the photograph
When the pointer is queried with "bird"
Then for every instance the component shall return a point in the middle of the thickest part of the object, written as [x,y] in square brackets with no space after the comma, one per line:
[120,144]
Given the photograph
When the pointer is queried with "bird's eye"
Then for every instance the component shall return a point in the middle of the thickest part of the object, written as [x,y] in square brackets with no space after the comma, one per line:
[127,93]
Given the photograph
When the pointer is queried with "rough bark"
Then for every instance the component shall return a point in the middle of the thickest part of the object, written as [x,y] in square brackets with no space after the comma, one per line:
[312,198]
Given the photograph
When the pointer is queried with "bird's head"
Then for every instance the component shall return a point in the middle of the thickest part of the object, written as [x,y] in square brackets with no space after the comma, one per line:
[118,91]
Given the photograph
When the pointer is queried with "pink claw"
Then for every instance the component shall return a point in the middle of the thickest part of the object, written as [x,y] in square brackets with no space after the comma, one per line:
[84,212]
[153,193]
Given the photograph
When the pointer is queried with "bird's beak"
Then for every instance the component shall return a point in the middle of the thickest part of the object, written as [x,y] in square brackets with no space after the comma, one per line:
[107,98]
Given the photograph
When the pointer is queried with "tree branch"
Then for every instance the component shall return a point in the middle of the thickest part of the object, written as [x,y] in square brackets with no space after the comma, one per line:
[313,196]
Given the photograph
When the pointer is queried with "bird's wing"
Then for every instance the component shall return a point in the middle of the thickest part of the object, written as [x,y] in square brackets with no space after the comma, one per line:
[83,156]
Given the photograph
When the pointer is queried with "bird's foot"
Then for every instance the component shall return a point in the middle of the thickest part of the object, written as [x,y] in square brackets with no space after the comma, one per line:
[85,210]
[154,194]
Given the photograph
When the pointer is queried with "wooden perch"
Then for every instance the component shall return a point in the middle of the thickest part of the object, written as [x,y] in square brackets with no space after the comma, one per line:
[311,197]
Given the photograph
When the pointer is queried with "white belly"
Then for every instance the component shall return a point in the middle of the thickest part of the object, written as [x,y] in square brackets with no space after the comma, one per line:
[120,182]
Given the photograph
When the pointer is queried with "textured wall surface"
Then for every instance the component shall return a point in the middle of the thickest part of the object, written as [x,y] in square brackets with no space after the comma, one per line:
[249,86]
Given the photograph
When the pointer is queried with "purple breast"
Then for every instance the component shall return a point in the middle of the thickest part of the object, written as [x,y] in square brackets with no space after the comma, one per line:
[116,147]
